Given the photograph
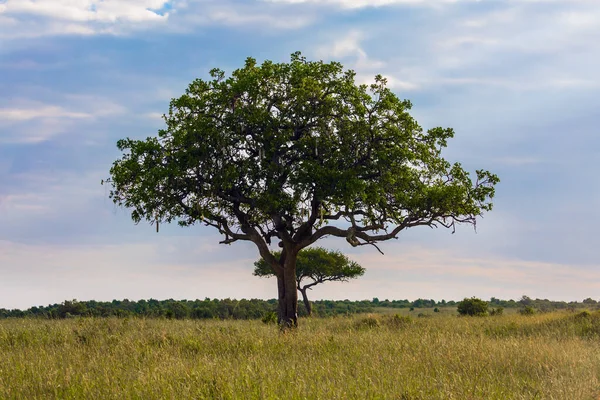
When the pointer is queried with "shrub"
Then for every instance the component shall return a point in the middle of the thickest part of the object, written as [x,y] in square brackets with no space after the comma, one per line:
[527,310]
[368,322]
[583,315]
[436,310]
[472,307]
[270,318]
[497,311]
[400,320]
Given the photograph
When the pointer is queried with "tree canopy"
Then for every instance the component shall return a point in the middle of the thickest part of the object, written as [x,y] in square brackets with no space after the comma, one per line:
[315,265]
[296,152]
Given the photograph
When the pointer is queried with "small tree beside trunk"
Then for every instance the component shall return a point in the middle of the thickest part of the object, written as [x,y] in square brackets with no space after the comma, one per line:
[315,266]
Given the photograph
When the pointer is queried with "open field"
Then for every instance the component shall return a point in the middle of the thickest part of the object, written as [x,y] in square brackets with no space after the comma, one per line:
[546,356]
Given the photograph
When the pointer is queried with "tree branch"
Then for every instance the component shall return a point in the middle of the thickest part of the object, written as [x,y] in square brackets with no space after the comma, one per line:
[306,228]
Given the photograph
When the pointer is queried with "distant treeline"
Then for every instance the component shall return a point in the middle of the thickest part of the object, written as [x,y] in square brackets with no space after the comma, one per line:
[254,308]
[525,301]
[181,309]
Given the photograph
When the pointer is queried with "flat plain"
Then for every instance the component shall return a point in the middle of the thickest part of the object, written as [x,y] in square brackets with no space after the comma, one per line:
[438,356]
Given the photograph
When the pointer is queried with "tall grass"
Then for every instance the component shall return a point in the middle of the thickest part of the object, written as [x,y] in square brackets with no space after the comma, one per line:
[550,356]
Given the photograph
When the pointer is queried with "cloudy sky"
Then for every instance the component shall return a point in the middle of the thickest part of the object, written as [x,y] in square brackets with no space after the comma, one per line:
[518,80]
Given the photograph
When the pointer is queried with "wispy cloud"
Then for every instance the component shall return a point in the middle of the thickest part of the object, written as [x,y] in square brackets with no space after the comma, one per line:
[248,14]
[474,44]
[413,267]
[348,48]
[27,121]
[354,4]
[107,11]
[43,274]
[39,111]
[29,18]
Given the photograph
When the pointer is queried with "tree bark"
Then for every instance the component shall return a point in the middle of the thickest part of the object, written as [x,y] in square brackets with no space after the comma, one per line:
[280,299]
[287,314]
[305,300]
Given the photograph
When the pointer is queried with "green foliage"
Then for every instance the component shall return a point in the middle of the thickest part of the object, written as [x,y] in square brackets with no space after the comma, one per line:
[318,265]
[497,311]
[270,318]
[284,150]
[236,309]
[369,322]
[296,152]
[71,308]
[545,356]
[585,314]
[527,310]
[472,307]
[181,309]
[400,320]
[436,310]
[587,324]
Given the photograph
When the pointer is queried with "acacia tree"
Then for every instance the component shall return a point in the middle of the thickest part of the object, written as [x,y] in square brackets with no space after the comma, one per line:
[319,265]
[295,152]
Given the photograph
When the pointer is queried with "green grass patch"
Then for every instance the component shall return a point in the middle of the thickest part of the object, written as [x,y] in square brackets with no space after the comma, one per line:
[395,356]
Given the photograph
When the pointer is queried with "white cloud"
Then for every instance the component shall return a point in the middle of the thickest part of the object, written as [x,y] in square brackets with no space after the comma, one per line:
[348,47]
[352,4]
[154,116]
[29,18]
[368,3]
[238,15]
[515,45]
[48,193]
[39,111]
[30,203]
[26,121]
[88,10]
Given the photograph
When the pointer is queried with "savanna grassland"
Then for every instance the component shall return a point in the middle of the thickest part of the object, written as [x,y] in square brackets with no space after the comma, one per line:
[545,356]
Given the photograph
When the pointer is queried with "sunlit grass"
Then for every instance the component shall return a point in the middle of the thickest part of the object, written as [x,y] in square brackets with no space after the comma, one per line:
[548,356]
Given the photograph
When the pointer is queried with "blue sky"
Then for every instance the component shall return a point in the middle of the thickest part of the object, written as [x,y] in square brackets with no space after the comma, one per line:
[517,80]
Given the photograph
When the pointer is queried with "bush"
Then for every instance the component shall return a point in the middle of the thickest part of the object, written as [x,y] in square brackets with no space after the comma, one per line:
[497,311]
[369,321]
[472,307]
[398,320]
[527,310]
[436,310]
[583,315]
[270,318]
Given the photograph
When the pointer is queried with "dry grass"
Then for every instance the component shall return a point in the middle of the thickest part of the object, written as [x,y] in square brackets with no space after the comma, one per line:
[550,356]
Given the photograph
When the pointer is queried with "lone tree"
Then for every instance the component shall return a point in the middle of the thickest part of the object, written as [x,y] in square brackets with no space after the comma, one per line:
[295,152]
[318,265]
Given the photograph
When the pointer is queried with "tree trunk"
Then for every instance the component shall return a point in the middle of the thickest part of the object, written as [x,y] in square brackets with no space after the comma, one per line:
[287,314]
[306,302]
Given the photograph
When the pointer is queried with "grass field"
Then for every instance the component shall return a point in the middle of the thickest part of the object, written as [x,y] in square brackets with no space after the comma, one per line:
[546,356]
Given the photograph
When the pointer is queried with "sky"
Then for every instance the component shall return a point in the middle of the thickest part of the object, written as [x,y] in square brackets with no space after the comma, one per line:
[518,80]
